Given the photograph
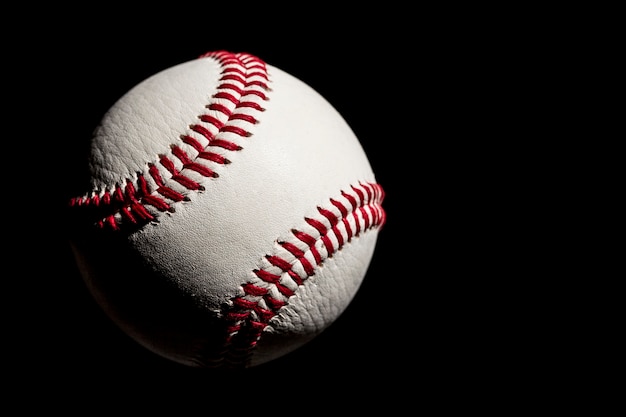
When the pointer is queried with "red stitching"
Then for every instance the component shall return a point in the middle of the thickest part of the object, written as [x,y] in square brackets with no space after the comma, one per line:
[251,313]
[132,203]
[213,120]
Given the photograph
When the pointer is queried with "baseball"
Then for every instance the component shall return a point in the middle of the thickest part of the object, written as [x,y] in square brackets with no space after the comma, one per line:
[230,214]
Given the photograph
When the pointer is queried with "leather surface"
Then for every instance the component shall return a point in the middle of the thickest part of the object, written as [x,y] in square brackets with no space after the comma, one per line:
[167,282]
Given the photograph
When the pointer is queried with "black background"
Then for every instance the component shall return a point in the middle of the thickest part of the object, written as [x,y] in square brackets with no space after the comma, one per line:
[422,332]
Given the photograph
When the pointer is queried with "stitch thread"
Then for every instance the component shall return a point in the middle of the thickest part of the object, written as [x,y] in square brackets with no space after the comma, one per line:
[243,77]
[249,315]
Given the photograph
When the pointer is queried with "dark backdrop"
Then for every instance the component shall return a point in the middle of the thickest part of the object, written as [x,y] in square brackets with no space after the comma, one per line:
[405,81]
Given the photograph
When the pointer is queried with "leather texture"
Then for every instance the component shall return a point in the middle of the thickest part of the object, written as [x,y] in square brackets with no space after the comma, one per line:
[169,282]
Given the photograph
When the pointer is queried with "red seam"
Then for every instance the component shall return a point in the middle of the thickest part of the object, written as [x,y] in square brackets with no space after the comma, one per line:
[132,203]
[247,318]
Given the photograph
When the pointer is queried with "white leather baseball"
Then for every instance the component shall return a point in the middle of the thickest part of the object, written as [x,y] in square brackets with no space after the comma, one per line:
[233,213]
